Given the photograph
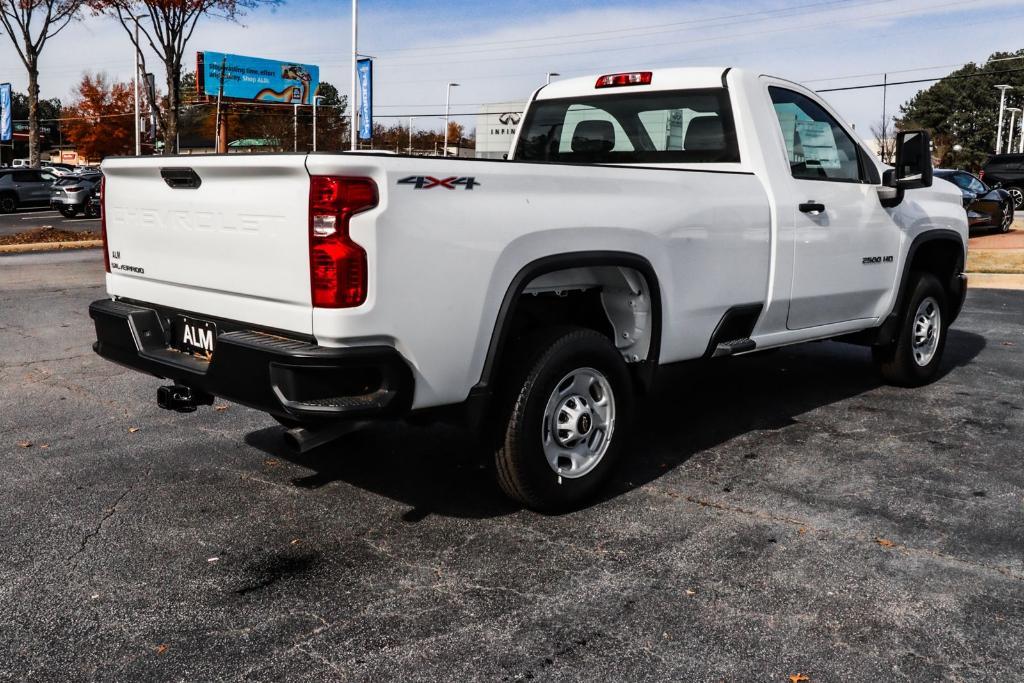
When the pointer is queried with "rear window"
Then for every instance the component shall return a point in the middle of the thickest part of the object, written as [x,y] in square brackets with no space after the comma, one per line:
[678,126]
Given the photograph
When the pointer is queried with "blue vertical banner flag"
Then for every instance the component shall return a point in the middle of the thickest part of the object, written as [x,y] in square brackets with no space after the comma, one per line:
[364,69]
[5,112]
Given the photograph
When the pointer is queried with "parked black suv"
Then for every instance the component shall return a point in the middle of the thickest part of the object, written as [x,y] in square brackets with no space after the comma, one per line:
[1006,171]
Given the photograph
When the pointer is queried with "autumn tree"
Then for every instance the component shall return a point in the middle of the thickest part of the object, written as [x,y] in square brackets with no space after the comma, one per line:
[166,26]
[100,118]
[30,24]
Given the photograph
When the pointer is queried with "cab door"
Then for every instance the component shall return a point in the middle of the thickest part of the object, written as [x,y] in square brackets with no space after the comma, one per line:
[845,242]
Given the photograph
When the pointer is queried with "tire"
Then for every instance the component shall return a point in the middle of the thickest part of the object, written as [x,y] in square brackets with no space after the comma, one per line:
[1007,223]
[68,210]
[1017,194]
[8,203]
[914,358]
[89,211]
[574,377]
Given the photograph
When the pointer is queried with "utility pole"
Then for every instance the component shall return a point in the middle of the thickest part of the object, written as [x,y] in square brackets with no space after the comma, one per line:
[411,119]
[295,127]
[447,109]
[550,75]
[355,77]
[1002,106]
[219,135]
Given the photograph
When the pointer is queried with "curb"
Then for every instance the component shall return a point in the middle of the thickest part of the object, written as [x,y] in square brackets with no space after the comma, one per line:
[49,246]
[994,281]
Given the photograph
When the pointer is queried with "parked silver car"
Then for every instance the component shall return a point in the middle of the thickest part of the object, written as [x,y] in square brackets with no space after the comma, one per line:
[24,187]
[70,194]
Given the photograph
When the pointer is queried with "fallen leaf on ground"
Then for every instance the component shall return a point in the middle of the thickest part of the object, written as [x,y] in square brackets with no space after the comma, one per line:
[271,462]
[220,408]
[884,542]
[797,678]
[296,541]
[1008,344]
[161,648]
[690,592]
[212,559]
[132,430]
[24,444]
[44,445]
[802,530]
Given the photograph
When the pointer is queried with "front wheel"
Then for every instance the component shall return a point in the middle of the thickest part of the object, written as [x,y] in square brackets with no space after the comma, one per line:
[1007,223]
[914,358]
[567,409]
[68,210]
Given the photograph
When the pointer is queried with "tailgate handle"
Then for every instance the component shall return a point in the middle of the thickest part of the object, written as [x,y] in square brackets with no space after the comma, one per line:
[181,178]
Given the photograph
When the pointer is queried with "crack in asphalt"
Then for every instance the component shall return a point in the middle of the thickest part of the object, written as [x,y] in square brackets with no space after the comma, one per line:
[107,514]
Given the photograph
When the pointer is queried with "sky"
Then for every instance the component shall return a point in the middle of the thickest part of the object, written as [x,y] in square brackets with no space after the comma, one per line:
[501,51]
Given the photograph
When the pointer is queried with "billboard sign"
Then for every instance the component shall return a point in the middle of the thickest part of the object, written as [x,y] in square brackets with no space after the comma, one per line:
[252,79]
[364,69]
[6,130]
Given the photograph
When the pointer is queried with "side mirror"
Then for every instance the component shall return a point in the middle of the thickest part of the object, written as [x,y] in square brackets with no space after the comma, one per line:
[913,160]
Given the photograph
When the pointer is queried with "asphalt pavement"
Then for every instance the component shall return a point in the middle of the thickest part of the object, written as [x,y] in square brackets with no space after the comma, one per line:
[27,219]
[779,514]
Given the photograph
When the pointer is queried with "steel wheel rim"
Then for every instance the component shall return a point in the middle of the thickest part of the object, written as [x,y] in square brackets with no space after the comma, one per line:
[926,331]
[579,422]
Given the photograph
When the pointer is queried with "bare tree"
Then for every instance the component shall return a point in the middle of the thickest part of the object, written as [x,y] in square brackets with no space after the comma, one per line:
[29,24]
[166,26]
[885,139]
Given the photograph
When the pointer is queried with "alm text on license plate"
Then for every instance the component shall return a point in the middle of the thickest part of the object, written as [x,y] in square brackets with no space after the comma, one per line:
[195,336]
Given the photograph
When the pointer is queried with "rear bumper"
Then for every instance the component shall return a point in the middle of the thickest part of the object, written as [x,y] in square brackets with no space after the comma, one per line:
[287,377]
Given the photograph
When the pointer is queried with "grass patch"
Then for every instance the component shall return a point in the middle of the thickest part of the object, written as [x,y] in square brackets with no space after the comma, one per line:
[47,235]
[995,261]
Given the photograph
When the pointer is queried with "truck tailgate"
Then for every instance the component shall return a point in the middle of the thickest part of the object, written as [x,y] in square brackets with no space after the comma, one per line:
[227,236]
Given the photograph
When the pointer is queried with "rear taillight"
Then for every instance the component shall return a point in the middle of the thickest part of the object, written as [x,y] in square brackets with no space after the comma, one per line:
[619,80]
[103,223]
[337,265]
[981,175]
[72,189]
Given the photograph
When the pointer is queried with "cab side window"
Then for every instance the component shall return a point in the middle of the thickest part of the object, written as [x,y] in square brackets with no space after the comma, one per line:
[817,146]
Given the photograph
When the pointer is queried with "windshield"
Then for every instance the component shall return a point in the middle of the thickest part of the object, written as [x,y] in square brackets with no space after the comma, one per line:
[679,126]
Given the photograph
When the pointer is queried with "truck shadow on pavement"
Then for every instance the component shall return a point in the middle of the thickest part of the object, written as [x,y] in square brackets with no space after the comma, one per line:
[694,407]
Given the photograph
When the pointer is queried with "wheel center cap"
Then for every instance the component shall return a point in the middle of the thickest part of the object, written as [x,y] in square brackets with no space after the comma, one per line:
[583,424]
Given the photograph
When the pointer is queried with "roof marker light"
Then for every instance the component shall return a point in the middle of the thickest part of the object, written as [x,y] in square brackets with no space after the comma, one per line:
[619,80]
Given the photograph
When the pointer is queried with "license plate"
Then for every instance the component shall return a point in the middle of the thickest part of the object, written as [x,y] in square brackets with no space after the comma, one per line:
[194,336]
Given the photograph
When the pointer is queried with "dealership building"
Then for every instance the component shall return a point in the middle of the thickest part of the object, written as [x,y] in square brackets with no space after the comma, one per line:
[496,125]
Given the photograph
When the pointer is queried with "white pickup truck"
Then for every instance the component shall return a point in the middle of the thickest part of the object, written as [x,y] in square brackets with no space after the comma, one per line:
[641,219]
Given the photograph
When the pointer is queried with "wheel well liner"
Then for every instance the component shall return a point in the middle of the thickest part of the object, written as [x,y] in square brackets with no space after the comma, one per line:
[556,262]
[935,249]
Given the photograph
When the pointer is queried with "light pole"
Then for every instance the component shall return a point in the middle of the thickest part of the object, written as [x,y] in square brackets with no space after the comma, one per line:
[355,77]
[135,81]
[411,119]
[550,74]
[316,101]
[295,128]
[1013,120]
[1002,106]
[447,109]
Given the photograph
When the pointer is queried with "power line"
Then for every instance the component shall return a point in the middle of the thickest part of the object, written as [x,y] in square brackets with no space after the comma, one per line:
[922,80]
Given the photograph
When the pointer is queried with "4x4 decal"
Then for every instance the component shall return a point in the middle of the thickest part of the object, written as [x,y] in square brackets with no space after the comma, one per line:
[426,182]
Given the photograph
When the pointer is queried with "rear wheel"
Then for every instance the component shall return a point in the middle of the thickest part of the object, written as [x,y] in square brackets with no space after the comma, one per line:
[567,408]
[1017,194]
[8,203]
[914,358]
[68,210]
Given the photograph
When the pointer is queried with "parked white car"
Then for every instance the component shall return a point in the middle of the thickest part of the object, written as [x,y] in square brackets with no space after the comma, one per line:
[642,219]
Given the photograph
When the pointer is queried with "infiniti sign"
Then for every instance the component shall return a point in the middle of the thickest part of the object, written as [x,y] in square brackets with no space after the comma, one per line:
[496,126]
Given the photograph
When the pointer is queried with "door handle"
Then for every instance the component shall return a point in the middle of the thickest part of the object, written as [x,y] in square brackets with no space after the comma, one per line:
[813,208]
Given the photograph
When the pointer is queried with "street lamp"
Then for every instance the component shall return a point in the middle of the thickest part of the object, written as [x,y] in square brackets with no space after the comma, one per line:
[1002,106]
[355,77]
[447,109]
[550,74]
[1013,120]
[316,102]
[411,119]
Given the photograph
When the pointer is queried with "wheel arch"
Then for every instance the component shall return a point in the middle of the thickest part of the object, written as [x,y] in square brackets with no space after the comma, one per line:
[511,304]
